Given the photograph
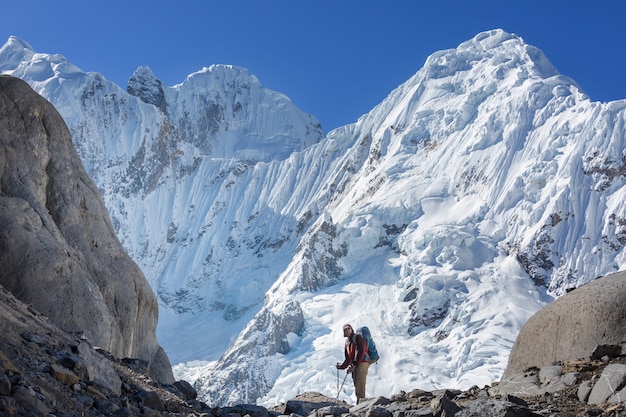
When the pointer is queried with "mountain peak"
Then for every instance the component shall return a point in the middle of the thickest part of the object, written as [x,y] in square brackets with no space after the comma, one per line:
[497,38]
[145,85]
[490,39]
[16,50]
[495,48]
[221,74]
[15,42]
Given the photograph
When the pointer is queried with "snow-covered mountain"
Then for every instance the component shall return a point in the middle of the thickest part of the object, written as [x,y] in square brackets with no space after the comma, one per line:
[482,187]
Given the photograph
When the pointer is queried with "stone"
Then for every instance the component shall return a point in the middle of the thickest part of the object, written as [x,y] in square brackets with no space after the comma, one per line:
[6,364]
[618,397]
[246,409]
[151,400]
[570,378]
[584,389]
[525,384]
[572,326]
[372,407]
[186,389]
[63,375]
[331,410]
[420,412]
[549,374]
[613,379]
[491,408]
[416,393]
[100,370]
[611,351]
[29,399]
[304,404]
[442,406]
[5,385]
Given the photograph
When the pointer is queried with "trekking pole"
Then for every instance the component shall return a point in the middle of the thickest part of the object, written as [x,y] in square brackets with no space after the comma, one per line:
[344,381]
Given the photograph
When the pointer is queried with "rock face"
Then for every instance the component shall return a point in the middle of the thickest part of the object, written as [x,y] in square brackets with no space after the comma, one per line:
[58,251]
[573,326]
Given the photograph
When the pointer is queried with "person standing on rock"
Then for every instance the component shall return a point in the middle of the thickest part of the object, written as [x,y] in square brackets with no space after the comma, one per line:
[355,360]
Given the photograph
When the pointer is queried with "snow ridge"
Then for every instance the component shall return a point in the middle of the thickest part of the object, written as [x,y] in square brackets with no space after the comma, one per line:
[482,187]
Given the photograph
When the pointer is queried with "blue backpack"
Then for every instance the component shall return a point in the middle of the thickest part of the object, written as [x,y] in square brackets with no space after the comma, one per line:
[372,352]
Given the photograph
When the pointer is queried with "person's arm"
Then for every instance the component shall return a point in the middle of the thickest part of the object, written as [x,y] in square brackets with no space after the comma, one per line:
[346,361]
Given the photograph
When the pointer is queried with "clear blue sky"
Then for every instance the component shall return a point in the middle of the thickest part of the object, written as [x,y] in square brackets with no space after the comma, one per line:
[335,59]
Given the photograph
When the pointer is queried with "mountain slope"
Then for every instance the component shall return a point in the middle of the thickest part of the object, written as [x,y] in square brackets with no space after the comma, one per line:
[471,188]
[476,191]
[165,160]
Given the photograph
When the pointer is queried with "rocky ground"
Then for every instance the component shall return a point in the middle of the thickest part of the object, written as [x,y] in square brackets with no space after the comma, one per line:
[44,372]
[47,372]
[566,401]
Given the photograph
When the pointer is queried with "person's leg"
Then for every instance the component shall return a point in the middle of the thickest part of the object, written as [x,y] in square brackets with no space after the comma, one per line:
[360,377]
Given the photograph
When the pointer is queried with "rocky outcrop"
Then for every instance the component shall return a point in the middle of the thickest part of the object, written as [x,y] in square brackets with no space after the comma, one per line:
[484,402]
[45,371]
[573,326]
[145,85]
[58,251]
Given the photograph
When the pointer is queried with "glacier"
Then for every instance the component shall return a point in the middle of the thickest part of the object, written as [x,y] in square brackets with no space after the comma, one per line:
[479,190]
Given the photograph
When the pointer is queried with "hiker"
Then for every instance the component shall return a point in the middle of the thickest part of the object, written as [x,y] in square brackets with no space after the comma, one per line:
[356,360]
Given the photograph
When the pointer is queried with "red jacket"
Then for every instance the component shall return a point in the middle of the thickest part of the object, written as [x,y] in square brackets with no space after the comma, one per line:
[355,351]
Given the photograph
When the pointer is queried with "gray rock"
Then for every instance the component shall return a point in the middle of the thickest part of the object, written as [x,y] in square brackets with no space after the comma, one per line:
[548,374]
[407,408]
[31,400]
[187,391]
[101,371]
[611,351]
[492,408]
[63,375]
[5,385]
[373,407]
[151,400]
[246,409]
[371,402]
[572,326]
[331,410]
[304,408]
[584,389]
[613,378]
[58,250]
[618,397]
[442,406]
[548,379]
[524,384]
[420,412]
[570,378]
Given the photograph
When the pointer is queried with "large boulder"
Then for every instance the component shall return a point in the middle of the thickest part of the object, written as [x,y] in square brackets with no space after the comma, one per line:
[573,326]
[58,250]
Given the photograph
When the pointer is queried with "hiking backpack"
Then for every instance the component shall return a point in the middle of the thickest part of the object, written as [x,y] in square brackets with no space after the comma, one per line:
[372,352]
